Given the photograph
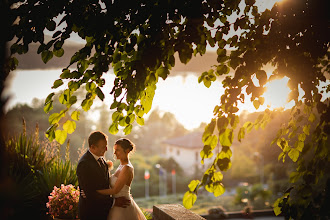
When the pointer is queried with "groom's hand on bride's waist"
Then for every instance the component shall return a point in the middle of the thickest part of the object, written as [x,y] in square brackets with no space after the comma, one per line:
[122,202]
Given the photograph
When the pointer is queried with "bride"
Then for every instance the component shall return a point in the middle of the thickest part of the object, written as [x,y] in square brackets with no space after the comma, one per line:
[120,183]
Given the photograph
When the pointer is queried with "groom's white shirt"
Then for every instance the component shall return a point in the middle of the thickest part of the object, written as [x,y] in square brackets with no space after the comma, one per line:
[96,158]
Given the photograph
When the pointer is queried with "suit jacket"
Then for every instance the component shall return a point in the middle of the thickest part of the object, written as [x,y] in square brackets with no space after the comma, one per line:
[92,177]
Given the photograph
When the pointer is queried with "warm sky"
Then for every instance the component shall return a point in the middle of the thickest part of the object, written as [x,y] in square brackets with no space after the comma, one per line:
[181,94]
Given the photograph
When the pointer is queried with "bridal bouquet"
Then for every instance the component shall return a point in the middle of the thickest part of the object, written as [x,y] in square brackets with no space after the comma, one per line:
[63,202]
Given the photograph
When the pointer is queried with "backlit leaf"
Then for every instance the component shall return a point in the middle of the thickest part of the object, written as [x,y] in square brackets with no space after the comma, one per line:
[311,117]
[306,129]
[193,184]
[69,126]
[293,154]
[48,107]
[128,129]
[189,199]
[277,209]
[75,115]
[140,120]
[54,118]
[219,189]
[256,104]
[226,138]
[241,134]
[49,97]
[60,136]
[113,129]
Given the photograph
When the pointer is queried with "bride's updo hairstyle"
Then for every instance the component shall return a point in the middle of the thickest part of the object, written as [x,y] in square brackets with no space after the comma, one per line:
[126,144]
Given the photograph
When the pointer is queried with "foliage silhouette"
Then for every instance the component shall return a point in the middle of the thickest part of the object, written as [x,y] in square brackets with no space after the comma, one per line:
[139,40]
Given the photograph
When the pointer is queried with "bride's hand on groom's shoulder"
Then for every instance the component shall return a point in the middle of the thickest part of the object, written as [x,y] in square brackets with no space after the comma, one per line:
[122,202]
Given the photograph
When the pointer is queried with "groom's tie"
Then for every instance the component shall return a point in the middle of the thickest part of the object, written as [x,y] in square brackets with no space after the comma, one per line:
[102,164]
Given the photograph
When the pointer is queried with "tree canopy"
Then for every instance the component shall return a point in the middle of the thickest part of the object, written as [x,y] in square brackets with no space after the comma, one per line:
[139,40]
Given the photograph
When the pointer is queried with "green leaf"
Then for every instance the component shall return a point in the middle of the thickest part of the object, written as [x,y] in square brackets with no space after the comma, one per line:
[302,137]
[54,118]
[241,134]
[115,116]
[193,184]
[73,100]
[277,209]
[57,83]
[311,117]
[163,72]
[48,107]
[50,133]
[300,145]
[113,129]
[218,176]
[86,104]
[219,189]
[90,86]
[69,126]
[222,123]
[49,97]
[293,154]
[226,138]
[128,129]
[207,83]
[140,120]
[59,52]
[280,156]
[189,199]
[60,136]
[46,55]
[306,129]
[248,125]
[75,115]
[99,93]
[65,74]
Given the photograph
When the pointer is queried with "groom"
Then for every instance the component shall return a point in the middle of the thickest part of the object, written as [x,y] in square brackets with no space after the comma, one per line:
[93,174]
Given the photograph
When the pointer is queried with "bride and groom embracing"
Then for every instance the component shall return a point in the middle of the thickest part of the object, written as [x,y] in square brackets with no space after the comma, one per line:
[105,196]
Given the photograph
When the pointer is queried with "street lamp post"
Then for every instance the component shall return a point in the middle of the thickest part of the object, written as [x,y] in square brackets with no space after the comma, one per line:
[173,182]
[162,176]
[146,178]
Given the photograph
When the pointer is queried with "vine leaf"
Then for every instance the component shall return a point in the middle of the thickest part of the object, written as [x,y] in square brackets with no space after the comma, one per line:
[189,199]
[60,136]
[46,55]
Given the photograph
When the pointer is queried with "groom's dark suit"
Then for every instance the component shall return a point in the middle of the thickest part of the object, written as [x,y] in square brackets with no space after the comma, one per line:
[92,177]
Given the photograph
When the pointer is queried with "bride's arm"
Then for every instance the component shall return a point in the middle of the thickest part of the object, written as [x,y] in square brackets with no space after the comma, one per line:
[121,181]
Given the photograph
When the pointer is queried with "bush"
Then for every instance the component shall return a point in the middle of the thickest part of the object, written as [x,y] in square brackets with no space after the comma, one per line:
[33,171]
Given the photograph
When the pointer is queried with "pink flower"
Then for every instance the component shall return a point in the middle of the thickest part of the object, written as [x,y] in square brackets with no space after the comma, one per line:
[63,202]
[110,164]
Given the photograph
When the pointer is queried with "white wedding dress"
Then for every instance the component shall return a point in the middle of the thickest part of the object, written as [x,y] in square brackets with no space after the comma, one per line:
[131,212]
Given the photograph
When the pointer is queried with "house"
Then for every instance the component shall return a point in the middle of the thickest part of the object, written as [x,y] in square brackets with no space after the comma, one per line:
[185,150]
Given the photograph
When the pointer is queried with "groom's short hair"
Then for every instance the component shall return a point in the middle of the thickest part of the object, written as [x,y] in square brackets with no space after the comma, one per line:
[95,136]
